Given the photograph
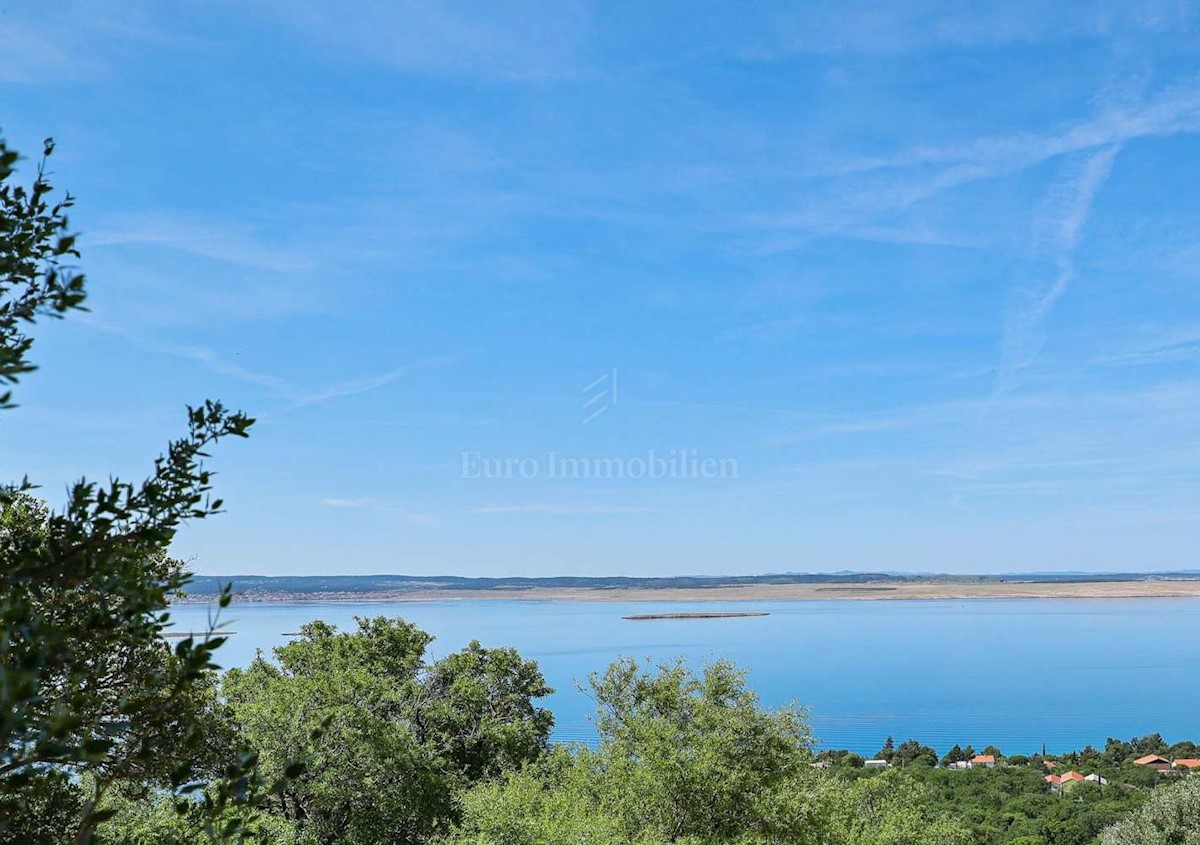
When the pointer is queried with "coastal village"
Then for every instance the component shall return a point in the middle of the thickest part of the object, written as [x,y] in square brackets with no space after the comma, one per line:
[1151,761]
[1056,780]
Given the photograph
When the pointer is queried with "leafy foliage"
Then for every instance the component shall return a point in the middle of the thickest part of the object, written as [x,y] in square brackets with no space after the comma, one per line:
[400,737]
[890,809]
[696,748]
[35,278]
[908,753]
[553,803]
[1012,804]
[691,757]
[90,696]
[1170,817]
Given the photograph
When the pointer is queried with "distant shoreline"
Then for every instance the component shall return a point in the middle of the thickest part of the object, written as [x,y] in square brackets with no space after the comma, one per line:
[868,591]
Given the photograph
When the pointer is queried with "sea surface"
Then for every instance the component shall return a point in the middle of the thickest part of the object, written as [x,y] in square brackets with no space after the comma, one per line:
[1016,673]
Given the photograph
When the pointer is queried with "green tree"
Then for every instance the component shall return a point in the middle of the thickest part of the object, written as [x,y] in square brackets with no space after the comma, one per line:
[694,752]
[1171,816]
[477,710]
[151,816]
[955,755]
[683,756]
[398,738]
[89,695]
[36,279]
[555,803]
[912,753]
[887,751]
[889,809]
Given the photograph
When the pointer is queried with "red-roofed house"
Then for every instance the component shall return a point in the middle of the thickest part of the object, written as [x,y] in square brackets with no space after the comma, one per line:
[1159,764]
[1186,764]
[1050,764]
[1061,783]
[988,761]
[1058,783]
[1069,780]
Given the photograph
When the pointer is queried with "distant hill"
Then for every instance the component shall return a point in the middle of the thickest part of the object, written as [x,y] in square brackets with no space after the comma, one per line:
[249,586]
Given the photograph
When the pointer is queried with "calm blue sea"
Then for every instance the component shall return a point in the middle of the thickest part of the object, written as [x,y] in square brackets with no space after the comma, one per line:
[1013,673]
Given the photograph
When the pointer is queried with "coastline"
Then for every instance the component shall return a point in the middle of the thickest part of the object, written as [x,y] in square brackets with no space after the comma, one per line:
[924,591]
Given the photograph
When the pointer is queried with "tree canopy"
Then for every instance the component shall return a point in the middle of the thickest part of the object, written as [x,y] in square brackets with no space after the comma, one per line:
[90,696]
[400,736]
[691,756]
[1171,816]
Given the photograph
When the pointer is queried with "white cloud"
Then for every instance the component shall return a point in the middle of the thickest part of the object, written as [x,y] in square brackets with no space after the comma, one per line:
[304,396]
[861,192]
[1162,354]
[768,331]
[31,55]
[562,510]
[504,39]
[297,395]
[230,243]
[1057,230]
[53,41]
[366,503]
[866,27]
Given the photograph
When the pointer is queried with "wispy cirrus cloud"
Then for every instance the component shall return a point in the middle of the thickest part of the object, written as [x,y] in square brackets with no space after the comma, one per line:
[296,394]
[871,198]
[506,40]
[214,362]
[1057,231]
[315,396]
[562,510]
[864,27]
[231,243]
[406,419]
[38,49]
[1165,354]
[366,503]
[871,192]
[767,331]
[300,395]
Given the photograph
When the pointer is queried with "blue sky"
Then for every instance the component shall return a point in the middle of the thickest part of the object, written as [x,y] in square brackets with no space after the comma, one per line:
[924,275]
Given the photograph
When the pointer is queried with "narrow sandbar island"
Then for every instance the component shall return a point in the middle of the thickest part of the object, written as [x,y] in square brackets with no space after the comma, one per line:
[642,617]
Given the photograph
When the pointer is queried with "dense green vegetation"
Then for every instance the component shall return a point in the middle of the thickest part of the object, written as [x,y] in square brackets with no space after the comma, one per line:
[1012,804]
[1169,816]
[457,751]
[403,738]
[356,738]
[92,701]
